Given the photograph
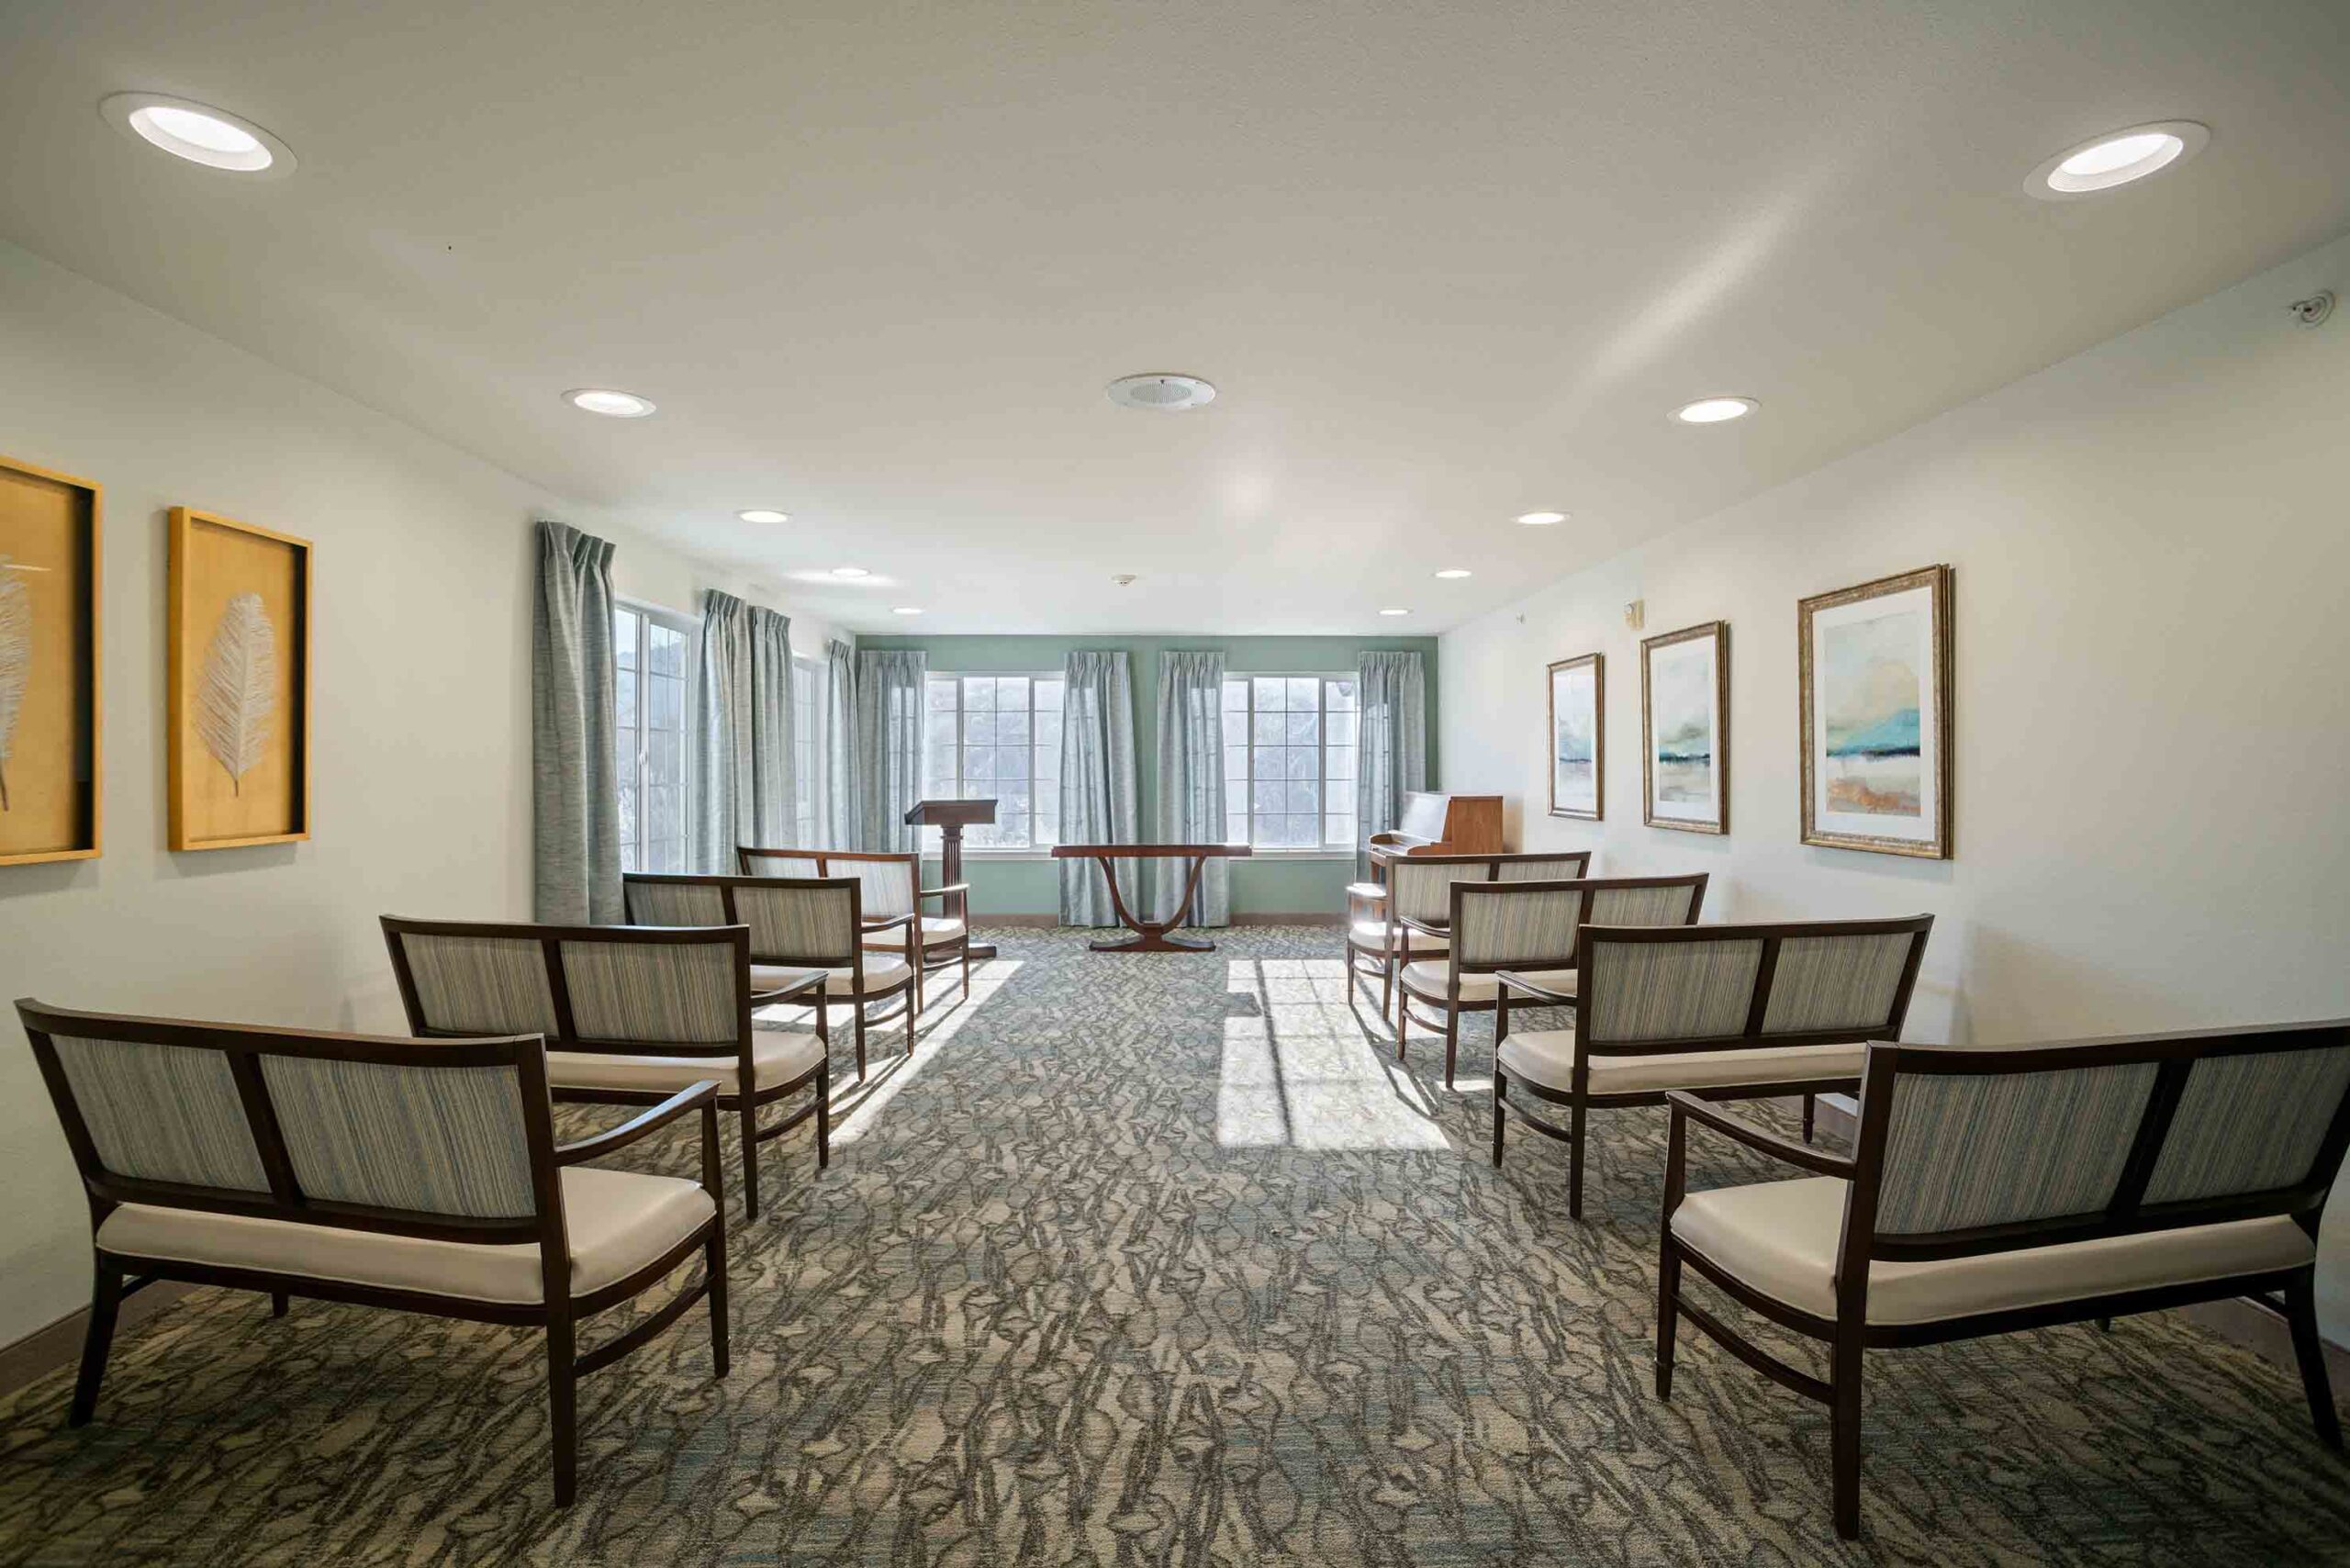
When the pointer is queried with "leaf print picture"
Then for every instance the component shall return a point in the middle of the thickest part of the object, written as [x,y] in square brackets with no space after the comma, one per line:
[239,644]
[16,658]
[52,786]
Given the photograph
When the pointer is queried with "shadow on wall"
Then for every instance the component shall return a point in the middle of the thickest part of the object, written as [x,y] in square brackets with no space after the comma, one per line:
[1998,972]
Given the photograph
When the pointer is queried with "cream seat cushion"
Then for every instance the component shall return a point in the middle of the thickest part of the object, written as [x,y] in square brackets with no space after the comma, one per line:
[776,1057]
[1373,933]
[1548,1057]
[618,1222]
[1780,1237]
[936,928]
[880,972]
[1431,979]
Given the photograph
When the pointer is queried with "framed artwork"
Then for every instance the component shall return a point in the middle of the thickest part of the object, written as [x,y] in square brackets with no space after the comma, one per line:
[239,724]
[1578,748]
[1684,728]
[52,784]
[1876,715]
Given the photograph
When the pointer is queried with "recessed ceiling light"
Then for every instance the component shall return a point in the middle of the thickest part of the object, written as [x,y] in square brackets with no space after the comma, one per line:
[2117,158]
[851,572]
[1454,572]
[1541,519]
[907,609]
[198,133]
[764,514]
[1714,410]
[1394,612]
[1160,392]
[603,400]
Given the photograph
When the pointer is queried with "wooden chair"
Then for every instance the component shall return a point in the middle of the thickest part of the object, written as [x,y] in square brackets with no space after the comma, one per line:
[796,923]
[630,1015]
[422,1177]
[1462,979]
[891,885]
[1417,887]
[1993,1191]
[1726,1012]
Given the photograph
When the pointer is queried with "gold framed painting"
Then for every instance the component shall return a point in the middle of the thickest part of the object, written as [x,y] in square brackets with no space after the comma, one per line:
[239,723]
[1684,728]
[1875,668]
[1578,738]
[52,722]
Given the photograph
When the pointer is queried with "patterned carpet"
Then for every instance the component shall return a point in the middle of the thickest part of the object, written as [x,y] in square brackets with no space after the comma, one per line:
[1157,1260]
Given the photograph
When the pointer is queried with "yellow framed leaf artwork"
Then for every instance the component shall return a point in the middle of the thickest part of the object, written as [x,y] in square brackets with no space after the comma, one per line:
[239,720]
[51,723]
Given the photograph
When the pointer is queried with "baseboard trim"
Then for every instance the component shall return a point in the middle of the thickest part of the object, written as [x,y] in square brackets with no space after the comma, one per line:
[44,1351]
[1049,922]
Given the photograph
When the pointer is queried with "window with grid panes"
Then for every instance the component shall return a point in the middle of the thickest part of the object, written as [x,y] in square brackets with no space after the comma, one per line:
[1289,761]
[653,650]
[996,736]
[808,740]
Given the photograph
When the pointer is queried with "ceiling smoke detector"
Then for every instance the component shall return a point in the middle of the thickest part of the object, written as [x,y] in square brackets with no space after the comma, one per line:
[1160,392]
[1124,579]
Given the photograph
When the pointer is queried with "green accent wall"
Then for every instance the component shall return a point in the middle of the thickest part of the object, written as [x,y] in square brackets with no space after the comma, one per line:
[1269,885]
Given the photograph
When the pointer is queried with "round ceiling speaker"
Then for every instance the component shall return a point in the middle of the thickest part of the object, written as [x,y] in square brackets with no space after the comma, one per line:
[1160,393]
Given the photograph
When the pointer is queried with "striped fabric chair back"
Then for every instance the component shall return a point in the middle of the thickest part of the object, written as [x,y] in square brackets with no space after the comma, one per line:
[810,922]
[199,1115]
[2193,1128]
[755,862]
[1420,887]
[1645,990]
[638,990]
[885,882]
[1565,866]
[1645,901]
[1518,924]
[654,899]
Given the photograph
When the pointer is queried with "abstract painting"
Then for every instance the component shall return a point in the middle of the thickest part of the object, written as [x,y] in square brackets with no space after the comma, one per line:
[239,684]
[1684,728]
[50,774]
[1577,752]
[1875,664]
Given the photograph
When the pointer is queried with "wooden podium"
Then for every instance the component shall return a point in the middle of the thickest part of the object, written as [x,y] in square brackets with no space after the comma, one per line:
[950,818]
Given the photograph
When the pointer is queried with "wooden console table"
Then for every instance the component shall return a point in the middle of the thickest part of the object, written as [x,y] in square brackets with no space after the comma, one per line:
[1151,935]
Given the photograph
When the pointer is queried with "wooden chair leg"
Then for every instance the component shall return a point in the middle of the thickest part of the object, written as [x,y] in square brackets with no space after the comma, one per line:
[911,1011]
[824,1115]
[1844,1429]
[563,1405]
[750,1117]
[966,965]
[1575,1118]
[1387,999]
[1810,1103]
[278,1301]
[1451,1041]
[1668,1309]
[859,1011]
[105,1304]
[713,1263]
[2301,1316]
[1501,1114]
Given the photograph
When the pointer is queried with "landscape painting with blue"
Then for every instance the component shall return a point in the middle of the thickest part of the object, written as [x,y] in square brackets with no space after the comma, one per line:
[1876,663]
[1872,691]
[1576,742]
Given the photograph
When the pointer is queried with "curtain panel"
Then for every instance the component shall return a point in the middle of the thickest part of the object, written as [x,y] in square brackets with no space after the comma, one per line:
[742,751]
[1189,782]
[575,778]
[888,745]
[1390,739]
[1098,804]
[840,826]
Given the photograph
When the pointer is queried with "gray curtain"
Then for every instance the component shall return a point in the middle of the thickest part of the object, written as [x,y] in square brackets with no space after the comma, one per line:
[1097,779]
[889,745]
[1189,781]
[1391,737]
[840,828]
[575,779]
[742,753]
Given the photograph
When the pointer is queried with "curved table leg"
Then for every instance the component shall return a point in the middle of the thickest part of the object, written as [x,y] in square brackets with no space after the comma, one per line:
[1151,935]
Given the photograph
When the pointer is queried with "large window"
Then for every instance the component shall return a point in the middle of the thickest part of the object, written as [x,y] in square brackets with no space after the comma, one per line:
[654,649]
[996,736]
[809,712]
[1289,761]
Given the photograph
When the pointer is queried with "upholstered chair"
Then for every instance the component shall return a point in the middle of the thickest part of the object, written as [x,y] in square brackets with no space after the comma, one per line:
[631,1015]
[1728,1012]
[891,898]
[414,1175]
[1991,1190]
[819,923]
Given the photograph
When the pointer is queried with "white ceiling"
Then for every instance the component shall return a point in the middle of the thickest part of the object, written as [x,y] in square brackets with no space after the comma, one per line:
[1444,263]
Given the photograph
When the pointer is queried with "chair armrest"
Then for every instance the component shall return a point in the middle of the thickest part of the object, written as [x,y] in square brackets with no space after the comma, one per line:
[885,922]
[810,979]
[1425,928]
[635,1127]
[951,889]
[1511,980]
[1760,1139]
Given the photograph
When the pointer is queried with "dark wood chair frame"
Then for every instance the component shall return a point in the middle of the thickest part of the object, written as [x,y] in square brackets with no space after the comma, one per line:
[1366,961]
[558,1315]
[956,896]
[1579,1100]
[852,961]
[1447,1022]
[744,1106]
[1849,1333]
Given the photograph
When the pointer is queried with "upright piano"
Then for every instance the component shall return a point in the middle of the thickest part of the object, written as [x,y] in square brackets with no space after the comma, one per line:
[1444,824]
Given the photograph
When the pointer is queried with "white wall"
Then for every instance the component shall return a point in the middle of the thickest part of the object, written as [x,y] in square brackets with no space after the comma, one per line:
[421,749]
[2151,551]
